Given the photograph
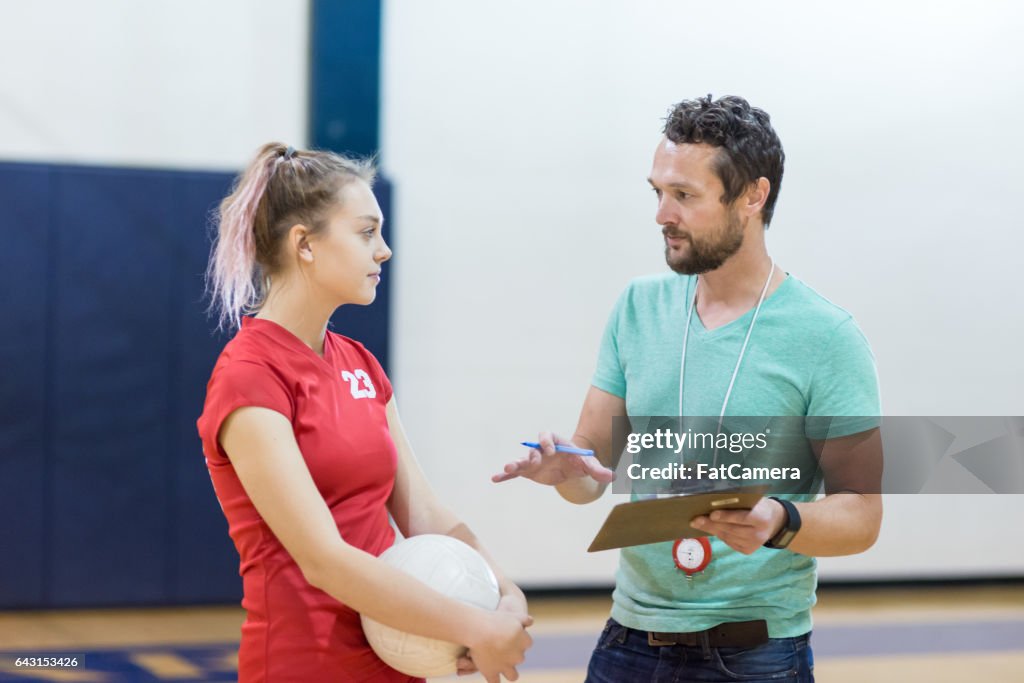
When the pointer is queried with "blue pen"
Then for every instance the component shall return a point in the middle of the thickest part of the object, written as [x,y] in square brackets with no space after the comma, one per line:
[560,448]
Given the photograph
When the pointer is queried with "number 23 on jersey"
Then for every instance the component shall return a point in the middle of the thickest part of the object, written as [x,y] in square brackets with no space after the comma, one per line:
[359,384]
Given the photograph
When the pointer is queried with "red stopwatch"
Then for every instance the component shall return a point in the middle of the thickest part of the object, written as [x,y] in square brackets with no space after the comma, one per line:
[692,555]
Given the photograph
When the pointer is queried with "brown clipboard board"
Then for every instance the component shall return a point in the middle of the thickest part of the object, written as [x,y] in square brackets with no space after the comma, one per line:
[666,519]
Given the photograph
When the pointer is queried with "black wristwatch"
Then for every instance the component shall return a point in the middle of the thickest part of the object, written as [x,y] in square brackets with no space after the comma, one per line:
[789,527]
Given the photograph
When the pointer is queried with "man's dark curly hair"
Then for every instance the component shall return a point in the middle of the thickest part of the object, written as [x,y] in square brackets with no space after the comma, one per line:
[748,146]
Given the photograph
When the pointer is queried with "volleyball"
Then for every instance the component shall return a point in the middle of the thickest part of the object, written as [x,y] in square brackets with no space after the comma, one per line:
[450,567]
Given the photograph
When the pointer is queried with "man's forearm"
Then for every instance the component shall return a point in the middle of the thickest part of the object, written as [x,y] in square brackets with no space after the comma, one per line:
[838,524]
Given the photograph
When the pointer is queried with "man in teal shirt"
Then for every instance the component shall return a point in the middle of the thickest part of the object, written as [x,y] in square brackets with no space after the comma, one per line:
[727,333]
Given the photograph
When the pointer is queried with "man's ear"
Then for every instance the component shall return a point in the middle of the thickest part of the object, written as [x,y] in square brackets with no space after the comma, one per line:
[755,197]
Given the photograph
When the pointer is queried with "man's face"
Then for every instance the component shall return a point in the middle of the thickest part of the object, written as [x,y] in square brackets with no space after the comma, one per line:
[700,232]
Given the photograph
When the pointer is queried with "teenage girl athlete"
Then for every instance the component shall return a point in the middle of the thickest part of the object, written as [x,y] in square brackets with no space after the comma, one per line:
[304,444]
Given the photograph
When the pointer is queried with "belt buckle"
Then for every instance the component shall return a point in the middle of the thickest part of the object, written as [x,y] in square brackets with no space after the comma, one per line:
[654,641]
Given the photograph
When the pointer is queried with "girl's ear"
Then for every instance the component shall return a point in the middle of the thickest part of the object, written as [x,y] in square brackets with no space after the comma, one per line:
[299,242]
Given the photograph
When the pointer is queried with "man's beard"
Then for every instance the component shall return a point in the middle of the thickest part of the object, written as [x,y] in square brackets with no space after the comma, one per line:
[707,254]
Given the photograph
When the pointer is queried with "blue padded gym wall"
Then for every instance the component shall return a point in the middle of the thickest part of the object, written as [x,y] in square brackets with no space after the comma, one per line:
[344,99]
[106,350]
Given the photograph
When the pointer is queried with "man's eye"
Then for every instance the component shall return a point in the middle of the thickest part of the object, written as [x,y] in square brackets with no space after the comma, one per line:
[656,191]
[681,195]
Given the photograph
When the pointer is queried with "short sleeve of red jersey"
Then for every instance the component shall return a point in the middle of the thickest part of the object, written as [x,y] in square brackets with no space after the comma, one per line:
[241,384]
[380,377]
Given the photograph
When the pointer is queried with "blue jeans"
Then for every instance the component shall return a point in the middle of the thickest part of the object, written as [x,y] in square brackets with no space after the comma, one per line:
[623,655]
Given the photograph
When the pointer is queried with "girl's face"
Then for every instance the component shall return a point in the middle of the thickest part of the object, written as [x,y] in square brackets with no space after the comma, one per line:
[347,255]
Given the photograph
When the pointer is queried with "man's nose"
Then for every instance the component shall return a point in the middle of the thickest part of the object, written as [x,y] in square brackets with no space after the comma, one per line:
[666,213]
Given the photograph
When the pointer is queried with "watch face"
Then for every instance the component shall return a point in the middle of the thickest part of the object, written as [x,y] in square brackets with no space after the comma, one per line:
[691,554]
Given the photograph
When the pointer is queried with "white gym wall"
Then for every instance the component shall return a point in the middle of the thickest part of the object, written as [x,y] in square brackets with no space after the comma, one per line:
[519,138]
[183,84]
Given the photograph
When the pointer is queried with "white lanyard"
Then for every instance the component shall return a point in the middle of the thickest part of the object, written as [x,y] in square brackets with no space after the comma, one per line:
[743,349]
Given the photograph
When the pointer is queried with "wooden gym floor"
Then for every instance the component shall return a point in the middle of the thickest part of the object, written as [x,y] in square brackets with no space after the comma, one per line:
[935,634]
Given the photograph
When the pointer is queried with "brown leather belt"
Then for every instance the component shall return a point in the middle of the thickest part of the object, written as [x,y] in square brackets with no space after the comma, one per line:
[732,634]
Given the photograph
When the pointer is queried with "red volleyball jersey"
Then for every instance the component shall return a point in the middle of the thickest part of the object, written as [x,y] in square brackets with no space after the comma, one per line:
[336,404]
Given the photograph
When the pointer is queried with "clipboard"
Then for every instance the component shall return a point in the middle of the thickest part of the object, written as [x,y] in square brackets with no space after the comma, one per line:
[666,519]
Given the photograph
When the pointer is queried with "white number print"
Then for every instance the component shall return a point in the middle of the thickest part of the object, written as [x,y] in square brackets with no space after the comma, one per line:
[357,378]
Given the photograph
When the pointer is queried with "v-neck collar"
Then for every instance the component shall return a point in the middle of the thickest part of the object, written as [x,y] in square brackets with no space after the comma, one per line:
[286,338]
[742,322]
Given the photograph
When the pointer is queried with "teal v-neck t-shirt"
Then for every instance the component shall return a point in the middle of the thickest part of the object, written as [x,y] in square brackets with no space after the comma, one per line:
[805,357]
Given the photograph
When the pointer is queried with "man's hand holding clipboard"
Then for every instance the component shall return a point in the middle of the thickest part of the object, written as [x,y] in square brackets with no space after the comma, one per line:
[666,519]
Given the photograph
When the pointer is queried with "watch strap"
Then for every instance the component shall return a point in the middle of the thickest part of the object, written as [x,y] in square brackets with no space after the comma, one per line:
[790,526]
